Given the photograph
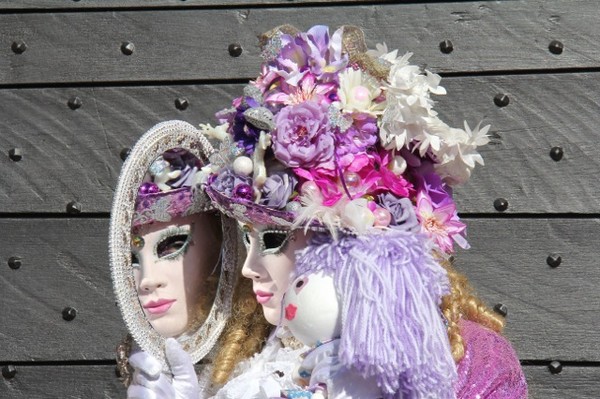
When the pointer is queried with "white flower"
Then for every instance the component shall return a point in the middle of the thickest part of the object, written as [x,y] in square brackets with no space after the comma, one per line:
[409,117]
[381,52]
[458,155]
[357,92]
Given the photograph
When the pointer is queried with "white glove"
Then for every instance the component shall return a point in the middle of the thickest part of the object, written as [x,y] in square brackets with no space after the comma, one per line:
[150,383]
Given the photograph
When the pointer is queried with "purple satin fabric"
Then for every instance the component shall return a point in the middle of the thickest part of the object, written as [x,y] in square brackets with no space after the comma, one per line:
[490,368]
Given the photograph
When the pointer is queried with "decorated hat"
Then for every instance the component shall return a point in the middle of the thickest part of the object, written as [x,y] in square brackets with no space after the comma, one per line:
[168,190]
[336,137]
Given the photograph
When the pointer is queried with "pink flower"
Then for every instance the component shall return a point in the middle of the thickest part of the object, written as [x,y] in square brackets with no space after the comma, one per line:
[306,90]
[441,222]
[378,176]
[364,174]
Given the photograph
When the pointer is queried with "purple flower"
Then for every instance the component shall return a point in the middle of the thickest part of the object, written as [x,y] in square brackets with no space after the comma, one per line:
[277,189]
[438,191]
[313,51]
[226,181]
[244,134]
[184,161]
[402,211]
[361,135]
[301,138]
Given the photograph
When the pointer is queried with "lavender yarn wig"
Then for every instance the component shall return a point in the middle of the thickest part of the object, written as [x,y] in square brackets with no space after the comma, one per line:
[391,289]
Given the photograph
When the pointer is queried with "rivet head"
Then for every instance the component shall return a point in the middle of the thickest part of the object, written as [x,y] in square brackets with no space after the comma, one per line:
[555,367]
[74,103]
[235,50]
[501,309]
[18,47]
[127,48]
[556,47]
[446,47]
[69,313]
[73,207]
[125,153]
[9,371]
[553,260]
[14,262]
[181,104]
[556,153]
[500,204]
[15,154]
[501,100]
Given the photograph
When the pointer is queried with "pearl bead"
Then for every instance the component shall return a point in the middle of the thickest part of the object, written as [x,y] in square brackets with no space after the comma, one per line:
[360,93]
[148,188]
[293,206]
[243,166]
[383,217]
[352,179]
[398,165]
[310,188]
[243,191]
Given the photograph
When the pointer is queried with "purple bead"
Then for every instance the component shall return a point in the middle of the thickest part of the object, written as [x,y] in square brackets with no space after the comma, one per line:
[148,188]
[243,191]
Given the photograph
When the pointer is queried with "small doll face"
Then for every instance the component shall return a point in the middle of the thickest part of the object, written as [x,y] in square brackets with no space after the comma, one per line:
[312,309]
[173,262]
[269,264]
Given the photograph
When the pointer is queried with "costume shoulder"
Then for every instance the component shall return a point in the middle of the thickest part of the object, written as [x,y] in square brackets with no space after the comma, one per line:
[490,368]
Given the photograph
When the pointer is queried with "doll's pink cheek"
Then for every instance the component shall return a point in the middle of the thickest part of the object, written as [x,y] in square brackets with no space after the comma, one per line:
[290,312]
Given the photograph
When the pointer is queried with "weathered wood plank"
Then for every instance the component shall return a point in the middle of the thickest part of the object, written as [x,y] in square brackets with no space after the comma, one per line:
[64,264]
[553,313]
[174,45]
[14,5]
[33,382]
[42,382]
[74,155]
[573,382]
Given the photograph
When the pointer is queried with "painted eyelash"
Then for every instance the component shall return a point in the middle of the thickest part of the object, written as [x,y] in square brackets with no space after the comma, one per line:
[170,232]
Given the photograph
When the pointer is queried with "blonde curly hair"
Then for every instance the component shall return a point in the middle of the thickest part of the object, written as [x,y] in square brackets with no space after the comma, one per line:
[462,303]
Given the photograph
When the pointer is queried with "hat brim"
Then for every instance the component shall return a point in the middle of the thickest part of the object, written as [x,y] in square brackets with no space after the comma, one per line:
[246,211]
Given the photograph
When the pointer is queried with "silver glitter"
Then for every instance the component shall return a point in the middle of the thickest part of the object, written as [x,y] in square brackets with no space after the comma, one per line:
[158,166]
[272,48]
[260,117]
[337,119]
[253,92]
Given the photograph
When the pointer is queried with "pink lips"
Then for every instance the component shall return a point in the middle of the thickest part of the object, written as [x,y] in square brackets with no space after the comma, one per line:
[160,306]
[263,297]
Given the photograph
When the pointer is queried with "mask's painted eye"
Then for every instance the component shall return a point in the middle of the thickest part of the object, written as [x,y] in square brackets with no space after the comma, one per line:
[171,245]
[135,262]
[274,240]
[246,239]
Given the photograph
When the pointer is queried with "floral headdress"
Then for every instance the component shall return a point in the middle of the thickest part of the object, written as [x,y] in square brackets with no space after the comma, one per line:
[169,189]
[334,136]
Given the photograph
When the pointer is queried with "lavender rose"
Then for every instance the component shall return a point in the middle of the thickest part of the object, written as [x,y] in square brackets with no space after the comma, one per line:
[226,181]
[361,135]
[402,211]
[277,189]
[301,137]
